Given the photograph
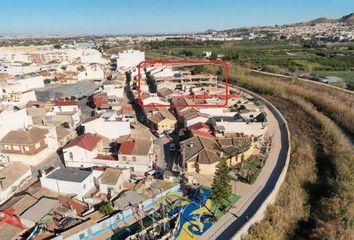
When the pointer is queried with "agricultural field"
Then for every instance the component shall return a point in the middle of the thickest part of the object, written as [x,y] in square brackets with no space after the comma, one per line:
[276,57]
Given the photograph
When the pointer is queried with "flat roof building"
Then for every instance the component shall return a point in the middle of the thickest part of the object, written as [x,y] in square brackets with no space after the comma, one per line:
[55,91]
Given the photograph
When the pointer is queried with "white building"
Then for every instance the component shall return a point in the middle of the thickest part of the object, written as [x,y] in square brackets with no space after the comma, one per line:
[109,129]
[161,72]
[81,151]
[21,84]
[256,129]
[90,56]
[113,90]
[30,146]
[63,105]
[91,73]
[154,99]
[71,181]
[130,58]
[12,177]
[193,119]
[13,120]
[207,54]
[112,180]
[137,154]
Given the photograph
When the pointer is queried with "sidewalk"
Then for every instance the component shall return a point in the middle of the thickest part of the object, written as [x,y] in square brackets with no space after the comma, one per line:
[248,192]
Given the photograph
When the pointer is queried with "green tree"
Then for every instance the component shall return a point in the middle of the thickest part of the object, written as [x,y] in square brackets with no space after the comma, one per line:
[57,46]
[213,56]
[221,187]
[105,208]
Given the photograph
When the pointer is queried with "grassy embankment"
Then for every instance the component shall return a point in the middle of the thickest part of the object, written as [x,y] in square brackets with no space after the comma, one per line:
[316,200]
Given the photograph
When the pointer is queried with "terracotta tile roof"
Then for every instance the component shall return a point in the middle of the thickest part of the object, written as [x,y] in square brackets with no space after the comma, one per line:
[111,176]
[198,125]
[106,157]
[200,133]
[87,141]
[144,95]
[127,108]
[62,132]
[209,150]
[203,150]
[24,137]
[66,102]
[156,118]
[126,147]
[138,147]
[80,207]
[164,92]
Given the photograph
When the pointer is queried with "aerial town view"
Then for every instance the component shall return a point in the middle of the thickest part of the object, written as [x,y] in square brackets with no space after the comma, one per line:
[176,120]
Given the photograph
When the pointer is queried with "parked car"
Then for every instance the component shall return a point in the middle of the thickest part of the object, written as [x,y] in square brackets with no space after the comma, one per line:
[158,174]
[172,147]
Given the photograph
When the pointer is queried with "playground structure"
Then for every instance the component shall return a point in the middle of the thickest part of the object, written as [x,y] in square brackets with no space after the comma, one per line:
[186,218]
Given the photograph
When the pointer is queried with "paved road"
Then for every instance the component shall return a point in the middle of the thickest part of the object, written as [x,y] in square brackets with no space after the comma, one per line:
[86,110]
[302,79]
[252,196]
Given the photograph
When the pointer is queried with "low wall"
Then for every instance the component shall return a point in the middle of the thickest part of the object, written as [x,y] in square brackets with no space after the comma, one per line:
[111,223]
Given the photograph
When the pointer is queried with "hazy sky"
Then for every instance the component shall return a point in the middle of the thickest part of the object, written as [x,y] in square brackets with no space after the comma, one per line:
[157,16]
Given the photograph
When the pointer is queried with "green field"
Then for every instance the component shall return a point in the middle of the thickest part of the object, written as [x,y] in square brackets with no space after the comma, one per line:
[345,75]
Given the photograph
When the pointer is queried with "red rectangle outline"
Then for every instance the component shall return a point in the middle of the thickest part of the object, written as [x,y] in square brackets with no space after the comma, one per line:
[197,62]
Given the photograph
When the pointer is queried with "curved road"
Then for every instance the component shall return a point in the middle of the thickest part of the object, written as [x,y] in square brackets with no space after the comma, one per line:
[253,196]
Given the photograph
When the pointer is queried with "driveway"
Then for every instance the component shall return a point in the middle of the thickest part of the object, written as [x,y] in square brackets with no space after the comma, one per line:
[85,108]
[165,157]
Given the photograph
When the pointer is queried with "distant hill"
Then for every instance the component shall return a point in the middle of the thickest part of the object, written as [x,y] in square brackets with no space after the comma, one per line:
[349,19]
[211,30]
[320,20]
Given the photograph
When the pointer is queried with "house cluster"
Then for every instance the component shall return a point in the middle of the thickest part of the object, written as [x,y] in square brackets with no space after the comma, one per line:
[107,148]
[25,69]
[211,122]
[89,124]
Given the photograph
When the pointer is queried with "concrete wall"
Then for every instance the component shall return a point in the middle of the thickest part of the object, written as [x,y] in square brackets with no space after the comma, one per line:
[68,187]
[13,120]
[7,193]
[111,223]
[80,155]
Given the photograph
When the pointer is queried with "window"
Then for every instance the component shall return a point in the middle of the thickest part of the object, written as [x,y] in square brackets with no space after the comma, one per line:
[27,149]
[71,157]
[7,147]
[37,145]
[84,187]
[124,158]
[134,159]
[16,148]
